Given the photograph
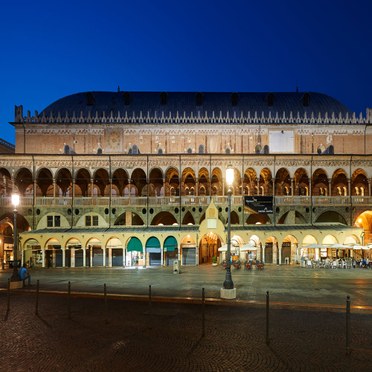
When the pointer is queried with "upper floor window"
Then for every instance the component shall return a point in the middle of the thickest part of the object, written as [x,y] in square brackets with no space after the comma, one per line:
[91,220]
[53,221]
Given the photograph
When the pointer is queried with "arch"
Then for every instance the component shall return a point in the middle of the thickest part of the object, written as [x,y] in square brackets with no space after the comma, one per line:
[164,218]
[283,182]
[153,251]
[188,219]
[63,179]
[22,181]
[265,185]
[170,248]
[292,217]
[172,182]
[120,179]
[331,217]
[53,253]
[188,181]
[258,219]
[6,183]
[33,253]
[44,181]
[156,181]
[359,183]
[339,184]
[289,250]
[216,182]
[129,218]
[271,250]
[204,182]
[250,182]
[101,180]
[139,180]
[188,251]
[320,183]
[82,182]
[302,182]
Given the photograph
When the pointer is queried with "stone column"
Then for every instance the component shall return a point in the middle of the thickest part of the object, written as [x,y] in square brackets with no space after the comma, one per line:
[292,188]
[329,186]
[63,257]
[43,257]
[72,257]
[84,256]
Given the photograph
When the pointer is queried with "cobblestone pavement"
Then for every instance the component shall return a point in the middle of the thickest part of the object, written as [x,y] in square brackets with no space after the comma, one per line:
[125,331]
[93,334]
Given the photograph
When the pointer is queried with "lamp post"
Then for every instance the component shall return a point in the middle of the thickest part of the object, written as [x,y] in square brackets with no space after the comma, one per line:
[15,202]
[228,291]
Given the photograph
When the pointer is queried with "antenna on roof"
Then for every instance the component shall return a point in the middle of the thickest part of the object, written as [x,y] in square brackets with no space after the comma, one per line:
[118,88]
[296,87]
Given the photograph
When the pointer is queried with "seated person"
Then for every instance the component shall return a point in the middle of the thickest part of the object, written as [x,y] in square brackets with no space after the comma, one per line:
[24,274]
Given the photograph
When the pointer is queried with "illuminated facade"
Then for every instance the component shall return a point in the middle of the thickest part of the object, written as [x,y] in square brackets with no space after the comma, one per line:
[137,178]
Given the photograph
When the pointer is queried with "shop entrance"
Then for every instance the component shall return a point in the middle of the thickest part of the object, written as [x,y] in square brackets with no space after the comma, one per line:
[208,248]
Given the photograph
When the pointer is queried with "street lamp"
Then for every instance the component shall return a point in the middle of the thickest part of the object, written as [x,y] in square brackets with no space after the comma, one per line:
[15,202]
[228,291]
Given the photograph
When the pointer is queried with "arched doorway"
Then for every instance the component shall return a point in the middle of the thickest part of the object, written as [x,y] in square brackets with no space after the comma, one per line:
[208,248]
[188,251]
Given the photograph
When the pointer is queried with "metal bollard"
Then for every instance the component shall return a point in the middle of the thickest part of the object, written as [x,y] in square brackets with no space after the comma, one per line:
[37,298]
[105,298]
[267,318]
[348,328]
[150,303]
[69,300]
[8,306]
[203,313]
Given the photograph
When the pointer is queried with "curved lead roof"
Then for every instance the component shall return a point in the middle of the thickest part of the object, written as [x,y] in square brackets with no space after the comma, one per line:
[191,103]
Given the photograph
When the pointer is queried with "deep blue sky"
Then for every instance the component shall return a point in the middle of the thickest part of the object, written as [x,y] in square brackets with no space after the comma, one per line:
[50,49]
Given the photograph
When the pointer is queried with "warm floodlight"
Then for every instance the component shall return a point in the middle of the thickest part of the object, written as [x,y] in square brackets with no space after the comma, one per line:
[229,175]
[15,200]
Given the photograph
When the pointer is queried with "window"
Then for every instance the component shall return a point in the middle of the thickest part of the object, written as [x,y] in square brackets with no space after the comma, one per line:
[53,221]
[57,221]
[88,220]
[91,220]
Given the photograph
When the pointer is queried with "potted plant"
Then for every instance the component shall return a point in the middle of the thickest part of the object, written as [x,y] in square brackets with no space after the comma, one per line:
[214,260]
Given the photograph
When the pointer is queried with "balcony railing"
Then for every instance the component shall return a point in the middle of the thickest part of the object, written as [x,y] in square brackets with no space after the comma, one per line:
[68,202]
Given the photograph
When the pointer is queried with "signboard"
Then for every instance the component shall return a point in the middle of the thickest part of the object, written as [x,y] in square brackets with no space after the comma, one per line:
[259,204]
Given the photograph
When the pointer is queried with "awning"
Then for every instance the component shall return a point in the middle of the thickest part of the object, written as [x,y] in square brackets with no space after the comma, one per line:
[248,247]
[356,247]
[224,248]
[170,244]
[153,243]
[134,245]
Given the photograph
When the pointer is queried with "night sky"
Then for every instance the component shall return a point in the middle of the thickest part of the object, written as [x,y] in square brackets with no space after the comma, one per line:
[50,49]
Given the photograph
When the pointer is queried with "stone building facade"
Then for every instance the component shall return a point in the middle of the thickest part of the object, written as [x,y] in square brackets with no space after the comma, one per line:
[138,178]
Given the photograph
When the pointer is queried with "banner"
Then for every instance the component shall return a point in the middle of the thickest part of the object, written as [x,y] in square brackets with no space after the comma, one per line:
[259,204]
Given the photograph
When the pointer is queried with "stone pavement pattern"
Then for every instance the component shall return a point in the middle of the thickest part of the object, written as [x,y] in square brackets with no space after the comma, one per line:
[124,335]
